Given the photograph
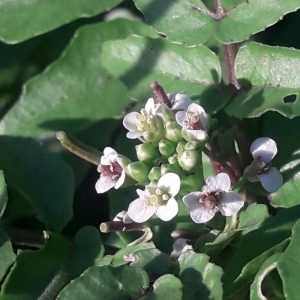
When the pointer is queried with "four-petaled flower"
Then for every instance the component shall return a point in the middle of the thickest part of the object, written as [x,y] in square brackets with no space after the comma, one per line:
[112,171]
[156,199]
[194,122]
[215,196]
[263,151]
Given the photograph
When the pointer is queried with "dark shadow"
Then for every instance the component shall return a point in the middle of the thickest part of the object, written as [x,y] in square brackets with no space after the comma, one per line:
[290,98]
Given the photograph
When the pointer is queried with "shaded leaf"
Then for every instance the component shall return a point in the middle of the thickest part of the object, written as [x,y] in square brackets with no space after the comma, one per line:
[3,194]
[6,253]
[107,282]
[274,74]
[36,17]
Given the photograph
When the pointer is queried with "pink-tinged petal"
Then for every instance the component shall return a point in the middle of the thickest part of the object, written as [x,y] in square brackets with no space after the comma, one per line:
[197,135]
[169,183]
[150,107]
[180,101]
[264,149]
[271,180]
[223,182]
[104,183]
[168,211]
[129,121]
[180,117]
[201,214]
[139,211]
[192,200]
[127,219]
[231,203]
[109,156]
[141,193]
[134,135]
[121,180]
[199,110]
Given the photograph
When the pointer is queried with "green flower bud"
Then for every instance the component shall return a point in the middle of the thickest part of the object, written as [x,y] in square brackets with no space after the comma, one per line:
[180,147]
[154,174]
[189,159]
[146,153]
[173,159]
[168,115]
[192,145]
[138,171]
[166,147]
[155,131]
[173,132]
[168,168]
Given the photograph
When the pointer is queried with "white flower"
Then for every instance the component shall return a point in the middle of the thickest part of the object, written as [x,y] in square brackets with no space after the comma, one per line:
[180,246]
[194,121]
[158,199]
[112,171]
[215,196]
[139,123]
[179,101]
[263,151]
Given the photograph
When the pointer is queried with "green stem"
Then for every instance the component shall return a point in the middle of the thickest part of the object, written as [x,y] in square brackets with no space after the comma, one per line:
[78,148]
[240,184]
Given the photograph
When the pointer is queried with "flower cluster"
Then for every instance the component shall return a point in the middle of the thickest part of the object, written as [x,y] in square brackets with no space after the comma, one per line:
[174,132]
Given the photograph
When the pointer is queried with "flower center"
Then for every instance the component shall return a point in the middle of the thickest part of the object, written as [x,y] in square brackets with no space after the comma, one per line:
[210,201]
[158,198]
[114,170]
[193,121]
[143,121]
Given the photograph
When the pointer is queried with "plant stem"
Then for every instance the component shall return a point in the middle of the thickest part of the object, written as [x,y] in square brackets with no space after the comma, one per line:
[78,148]
[159,94]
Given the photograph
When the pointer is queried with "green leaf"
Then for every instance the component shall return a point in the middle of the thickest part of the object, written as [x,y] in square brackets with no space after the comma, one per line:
[41,177]
[273,73]
[7,255]
[33,270]
[268,266]
[201,279]
[288,265]
[182,23]
[138,61]
[153,261]
[3,194]
[119,256]
[39,16]
[272,232]
[164,288]
[107,282]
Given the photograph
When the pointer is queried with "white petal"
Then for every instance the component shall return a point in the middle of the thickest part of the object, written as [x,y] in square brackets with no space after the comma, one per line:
[201,214]
[192,199]
[198,109]
[180,117]
[129,121]
[139,212]
[104,183]
[197,135]
[134,135]
[121,180]
[120,216]
[169,183]
[231,203]
[168,211]
[181,102]
[150,107]
[218,183]
[271,180]
[264,149]
[109,156]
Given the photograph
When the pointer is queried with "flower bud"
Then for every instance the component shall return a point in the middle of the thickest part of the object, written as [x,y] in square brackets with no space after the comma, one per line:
[189,159]
[168,168]
[180,147]
[173,132]
[192,145]
[154,174]
[166,147]
[155,133]
[146,153]
[138,171]
[168,115]
[173,159]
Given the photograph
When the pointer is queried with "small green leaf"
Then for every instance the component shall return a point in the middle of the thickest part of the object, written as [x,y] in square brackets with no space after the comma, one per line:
[105,261]
[34,270]
[107,282]
[201,279]
[268,266]
[138,61]
[37,16]
[3,194]
[7,255]
[165,287]
[289,264]
[273,74]
[41,177]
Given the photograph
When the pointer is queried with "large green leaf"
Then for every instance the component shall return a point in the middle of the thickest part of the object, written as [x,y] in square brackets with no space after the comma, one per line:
[22,20]
[201,279]
[273,73]
[75,92]
[271,233]
[182,23]
[7,255]
[289,264]
[41,177]
[107,282]
[138,61]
